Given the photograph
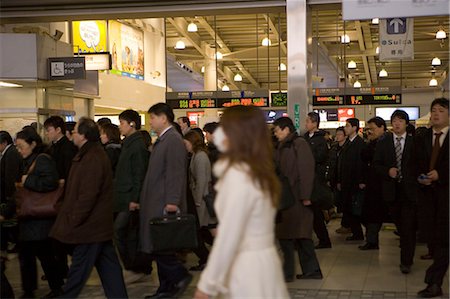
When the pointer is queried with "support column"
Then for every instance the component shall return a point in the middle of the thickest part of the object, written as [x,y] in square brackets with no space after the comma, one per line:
[299,77]
[210,75]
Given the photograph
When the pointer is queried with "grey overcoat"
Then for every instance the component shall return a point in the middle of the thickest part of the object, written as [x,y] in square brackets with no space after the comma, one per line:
[164,183]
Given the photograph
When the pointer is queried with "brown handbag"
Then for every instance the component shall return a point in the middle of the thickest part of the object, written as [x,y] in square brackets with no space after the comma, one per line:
[32,204]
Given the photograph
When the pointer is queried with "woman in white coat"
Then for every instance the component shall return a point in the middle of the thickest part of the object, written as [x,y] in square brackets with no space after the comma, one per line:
[244,262]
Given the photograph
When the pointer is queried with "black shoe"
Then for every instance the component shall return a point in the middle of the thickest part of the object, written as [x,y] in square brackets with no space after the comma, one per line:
[405,269]
[27,295]
[311,275]
[430,291]
[368,246]
[321,246]
[181,286]
[199,267]
[354,238]
[54,294]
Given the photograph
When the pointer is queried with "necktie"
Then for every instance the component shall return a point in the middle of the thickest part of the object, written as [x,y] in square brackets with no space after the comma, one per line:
[398,156]
[435,152]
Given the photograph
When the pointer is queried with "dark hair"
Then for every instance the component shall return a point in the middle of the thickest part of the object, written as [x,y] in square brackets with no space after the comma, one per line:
[314,117]
[441,102]
[29,135]
[199,132]
[378,121]
[103,121]
[401,115]
[284,122]
[340,129]
[162,108]
[250,143]
[112,132]
[70,126]
[5,137]
[210,127]
[354,122]
[177,128]
[147,138]
[89,129]
[410,130]
[55,122]
[197,141]
[185,120]
[131,116]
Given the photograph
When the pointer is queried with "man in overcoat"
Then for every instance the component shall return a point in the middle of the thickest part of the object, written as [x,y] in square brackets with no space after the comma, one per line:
[164,190]
[295,161]
[85,219]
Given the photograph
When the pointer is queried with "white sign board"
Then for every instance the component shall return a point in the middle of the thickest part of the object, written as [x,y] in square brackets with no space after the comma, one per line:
[396,39]
[368,9]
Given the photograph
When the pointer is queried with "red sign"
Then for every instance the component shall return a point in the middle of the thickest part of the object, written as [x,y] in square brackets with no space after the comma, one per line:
[345,113]
[194,116]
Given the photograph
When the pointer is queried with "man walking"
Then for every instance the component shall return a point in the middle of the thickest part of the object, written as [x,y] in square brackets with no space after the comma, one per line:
[164,190]
[85,220]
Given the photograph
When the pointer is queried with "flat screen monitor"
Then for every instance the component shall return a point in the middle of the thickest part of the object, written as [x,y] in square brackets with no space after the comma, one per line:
[386,112]
[272,115]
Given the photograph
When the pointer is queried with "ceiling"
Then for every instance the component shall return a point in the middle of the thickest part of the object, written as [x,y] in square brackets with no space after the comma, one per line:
[238,37]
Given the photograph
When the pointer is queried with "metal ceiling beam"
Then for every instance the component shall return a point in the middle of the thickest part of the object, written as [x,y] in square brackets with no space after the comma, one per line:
[362,47]
[226,50]
[274,30]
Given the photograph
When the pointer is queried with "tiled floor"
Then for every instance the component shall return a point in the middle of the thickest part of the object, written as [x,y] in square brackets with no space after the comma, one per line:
[348,273]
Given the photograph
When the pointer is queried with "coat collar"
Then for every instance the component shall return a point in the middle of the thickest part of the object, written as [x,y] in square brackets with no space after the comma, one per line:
[288,140]
[130,139]
[84,149]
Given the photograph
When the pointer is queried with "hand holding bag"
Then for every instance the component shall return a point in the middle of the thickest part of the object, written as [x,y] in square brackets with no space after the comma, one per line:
[173,232]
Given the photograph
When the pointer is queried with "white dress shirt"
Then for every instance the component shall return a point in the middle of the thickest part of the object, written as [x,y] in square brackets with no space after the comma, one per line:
[402,141]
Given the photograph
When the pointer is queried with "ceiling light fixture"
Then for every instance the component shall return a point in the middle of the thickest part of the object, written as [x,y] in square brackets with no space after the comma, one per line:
[436,61]
[282,67]
[266,42]
[351,64]
[225,87]
[237,78]
[180,45]
[192,27]
[357,84]
[218,56]
[433,82]
[345,39]
[383,73]
[377,50]
[375,21]
[6,84]
[202,69]
[441,34]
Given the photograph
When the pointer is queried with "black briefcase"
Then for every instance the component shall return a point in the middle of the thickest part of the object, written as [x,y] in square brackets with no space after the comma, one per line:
[173,232]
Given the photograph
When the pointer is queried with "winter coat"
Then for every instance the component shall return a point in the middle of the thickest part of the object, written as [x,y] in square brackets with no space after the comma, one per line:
[86,213]
[296,161]
[199,181]
[62,152]
[113,151]
[130,172]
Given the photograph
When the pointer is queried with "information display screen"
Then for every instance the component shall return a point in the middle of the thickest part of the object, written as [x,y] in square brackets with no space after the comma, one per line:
[386,112]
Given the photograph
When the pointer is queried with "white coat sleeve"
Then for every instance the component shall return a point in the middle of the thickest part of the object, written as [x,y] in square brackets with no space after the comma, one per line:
[236,205]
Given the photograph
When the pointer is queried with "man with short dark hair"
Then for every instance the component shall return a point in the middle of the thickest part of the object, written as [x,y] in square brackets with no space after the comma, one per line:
[164,190]
[319,147]
[213,152]
[394,162]
[351,179]
[85,220]
[433,177]
[185,124]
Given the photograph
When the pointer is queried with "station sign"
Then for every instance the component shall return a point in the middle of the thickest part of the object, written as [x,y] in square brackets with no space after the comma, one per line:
[357,96]
[216,99]
[66,68]
[96,61]
[278,99]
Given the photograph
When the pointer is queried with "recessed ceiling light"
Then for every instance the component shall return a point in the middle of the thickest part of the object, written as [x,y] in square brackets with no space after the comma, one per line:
[266,42]
[436,61]
[377,50]
[357,84]
[375,21]
[202,69]
[180,45]
[282,67]
[441,34]
[351,64]
[192,27]
[433,82]
[225,88]
[383,73]
[345,39]
[238,78]
[218,56]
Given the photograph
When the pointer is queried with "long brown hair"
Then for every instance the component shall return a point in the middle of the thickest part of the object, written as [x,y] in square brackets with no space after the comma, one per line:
[249,142]
[197,141]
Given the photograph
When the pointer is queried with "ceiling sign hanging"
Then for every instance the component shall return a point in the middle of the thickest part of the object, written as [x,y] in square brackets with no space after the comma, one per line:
[368,9]
[397,39]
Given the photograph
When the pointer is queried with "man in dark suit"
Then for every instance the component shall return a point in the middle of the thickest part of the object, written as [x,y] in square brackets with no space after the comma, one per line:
[433,177]
[351,179]
[394,162]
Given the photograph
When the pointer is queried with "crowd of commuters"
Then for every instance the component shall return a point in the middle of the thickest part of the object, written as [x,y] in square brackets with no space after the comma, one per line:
[116,181]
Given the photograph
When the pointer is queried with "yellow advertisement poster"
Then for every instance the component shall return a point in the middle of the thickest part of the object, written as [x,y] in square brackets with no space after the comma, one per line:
[89,36]
[127,50]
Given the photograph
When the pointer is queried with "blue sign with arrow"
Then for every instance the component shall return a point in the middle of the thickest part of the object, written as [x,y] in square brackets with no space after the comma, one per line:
[396,26]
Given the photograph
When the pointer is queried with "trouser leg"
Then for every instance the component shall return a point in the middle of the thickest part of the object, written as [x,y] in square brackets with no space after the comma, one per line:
[407,233]
[319,226]
[48,262]
[436,272]
[110,272]
[287,247]
[307,256]
[373,230]
[28,268]
[170,271]
[120,235]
